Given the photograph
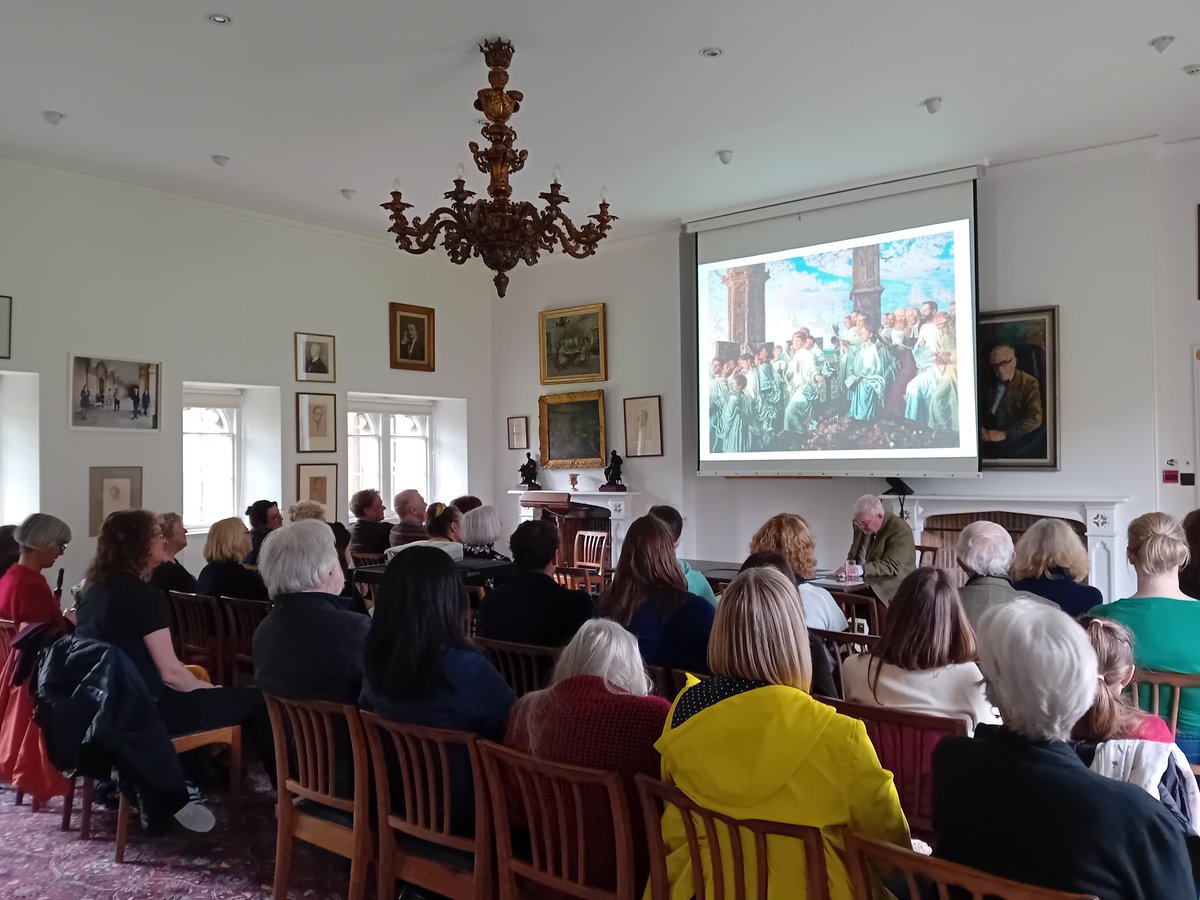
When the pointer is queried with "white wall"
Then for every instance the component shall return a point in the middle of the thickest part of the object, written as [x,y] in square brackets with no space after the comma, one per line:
[97,267]
[19,458]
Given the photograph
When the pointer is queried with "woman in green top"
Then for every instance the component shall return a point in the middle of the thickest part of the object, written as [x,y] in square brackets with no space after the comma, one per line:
[1164,620]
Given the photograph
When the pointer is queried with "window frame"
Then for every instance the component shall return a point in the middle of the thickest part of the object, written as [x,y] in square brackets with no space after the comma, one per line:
[229,402]
[385,408]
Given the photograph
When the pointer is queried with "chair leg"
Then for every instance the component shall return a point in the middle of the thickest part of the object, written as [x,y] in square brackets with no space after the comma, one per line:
[35,804]
[20,798]
[235,769]
[285,816]
[386,888]
[85,811]
[122,827]
[358,877]
[68,805]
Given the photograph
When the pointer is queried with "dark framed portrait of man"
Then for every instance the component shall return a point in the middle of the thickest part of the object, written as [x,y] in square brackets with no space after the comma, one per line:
[315,359]
[1018,389]
[411,337]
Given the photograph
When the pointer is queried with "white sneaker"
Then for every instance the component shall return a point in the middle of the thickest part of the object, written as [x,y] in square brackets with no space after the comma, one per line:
[196,817]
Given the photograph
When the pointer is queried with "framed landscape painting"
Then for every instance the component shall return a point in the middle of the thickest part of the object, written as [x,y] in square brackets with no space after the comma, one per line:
[110,394]
[572,344]
[411,337]
[571,428]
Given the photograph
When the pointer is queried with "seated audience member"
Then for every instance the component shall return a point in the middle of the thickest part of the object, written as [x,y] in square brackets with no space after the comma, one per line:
[823,682]
[228,543]
[264,518]
[410,507]
[750,742]
[466,503]
[1113,716]
[170,575]
[985,552]
[597,712]
[1051,562]
[649,596]
[533,608]
[1016,801]
[1163,619]
[443,524]
[311,509]
[882,547]
[119,607]
[25,596]
[696,582]
[369,533]
[1189,575]
[925,660]
[10,550]
[480,531]
[790,536]
[309,646]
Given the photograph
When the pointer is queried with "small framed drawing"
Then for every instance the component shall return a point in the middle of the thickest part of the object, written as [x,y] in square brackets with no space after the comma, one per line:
[571,428]
[5,327]
[112,489]
[643,426]
[109,394]
[518,432]
[316,423]
[572,344]
[315,359]
[411,337]
[318,482]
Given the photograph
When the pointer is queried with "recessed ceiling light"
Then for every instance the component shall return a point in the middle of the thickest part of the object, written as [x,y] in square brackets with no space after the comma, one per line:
[711,52]
[1162,42]
[1193,69]
[220,19]
[53,117]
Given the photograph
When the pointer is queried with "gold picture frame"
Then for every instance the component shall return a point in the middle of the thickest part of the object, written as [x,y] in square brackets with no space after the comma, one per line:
[573,344]
[571,430]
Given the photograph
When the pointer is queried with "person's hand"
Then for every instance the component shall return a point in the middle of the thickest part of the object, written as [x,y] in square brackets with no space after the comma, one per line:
[993,435]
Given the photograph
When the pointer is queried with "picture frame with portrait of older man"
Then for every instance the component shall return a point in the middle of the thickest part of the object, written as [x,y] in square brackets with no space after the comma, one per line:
[1018,389]
[315,357]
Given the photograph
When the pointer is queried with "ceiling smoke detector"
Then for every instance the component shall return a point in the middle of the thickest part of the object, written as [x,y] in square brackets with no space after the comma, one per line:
[931,104]
[711,52]
[220,19]
[219,159]
[1162,42]
[52,117]
[348,193]
[725,156]
[1193,69]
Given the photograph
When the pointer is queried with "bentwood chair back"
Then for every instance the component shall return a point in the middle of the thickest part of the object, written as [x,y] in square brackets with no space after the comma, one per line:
[590,547]
[433,815]
[201,633]
[242,618]
[310,744]
[716,841]
[928,876]
[843,644]
[904,742]
[578,824]
[524,666]
[1148,687]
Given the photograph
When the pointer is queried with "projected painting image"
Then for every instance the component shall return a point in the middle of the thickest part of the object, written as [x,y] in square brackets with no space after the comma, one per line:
[854,348]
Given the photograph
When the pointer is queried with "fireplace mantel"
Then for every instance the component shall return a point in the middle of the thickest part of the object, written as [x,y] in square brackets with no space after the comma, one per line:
[619,504]
[1098,515]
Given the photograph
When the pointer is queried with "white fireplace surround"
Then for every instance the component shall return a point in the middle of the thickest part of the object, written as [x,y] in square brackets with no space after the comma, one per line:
[1106,547]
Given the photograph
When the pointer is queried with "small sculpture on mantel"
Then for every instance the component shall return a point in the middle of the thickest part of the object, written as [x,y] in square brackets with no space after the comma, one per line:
[528,472]
[574,479]
[612,473]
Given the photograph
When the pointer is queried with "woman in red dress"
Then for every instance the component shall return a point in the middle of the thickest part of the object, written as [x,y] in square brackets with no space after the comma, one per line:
[26,599]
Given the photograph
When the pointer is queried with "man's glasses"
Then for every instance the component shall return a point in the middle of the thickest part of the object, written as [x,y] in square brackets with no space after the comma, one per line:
[1004,362]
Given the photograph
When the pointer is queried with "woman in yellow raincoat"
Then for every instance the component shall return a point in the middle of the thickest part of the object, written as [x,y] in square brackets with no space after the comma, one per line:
[751,743]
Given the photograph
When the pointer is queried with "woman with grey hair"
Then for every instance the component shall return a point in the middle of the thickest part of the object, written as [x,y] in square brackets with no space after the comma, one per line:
[170,574]
[25,596]
[481,530]
[1016,800]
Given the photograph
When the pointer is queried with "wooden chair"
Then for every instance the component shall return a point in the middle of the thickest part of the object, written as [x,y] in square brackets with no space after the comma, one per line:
[926,556]
[242,618]
[668,683]
[369,592]
[904,742]
[579,579]
[564,809]
[843,644]
[729,841]
[864,607]
[417,841]
[865,855]
[524,666]
[367,559]
[311,732]
[201,633]
[590,547]
[1154,682]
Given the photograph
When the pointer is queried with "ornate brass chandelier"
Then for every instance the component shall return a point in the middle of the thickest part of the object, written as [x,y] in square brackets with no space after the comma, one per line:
[500,231]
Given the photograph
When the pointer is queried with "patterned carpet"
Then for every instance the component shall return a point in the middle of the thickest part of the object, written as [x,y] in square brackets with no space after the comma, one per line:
[235,861]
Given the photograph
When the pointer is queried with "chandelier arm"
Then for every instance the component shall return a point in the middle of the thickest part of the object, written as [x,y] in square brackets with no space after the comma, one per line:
[421,235]
[576,242]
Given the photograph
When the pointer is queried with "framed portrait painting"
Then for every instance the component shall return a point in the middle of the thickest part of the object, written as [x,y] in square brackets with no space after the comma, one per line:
[316,423]
[110,394]
[572,344]
[518,432]
[318,482]
[643,426]
[571,429]
[1018,389]
[315,359]
[411,337]
[112,489]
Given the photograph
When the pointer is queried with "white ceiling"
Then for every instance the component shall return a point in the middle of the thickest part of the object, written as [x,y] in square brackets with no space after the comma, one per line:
[308,96]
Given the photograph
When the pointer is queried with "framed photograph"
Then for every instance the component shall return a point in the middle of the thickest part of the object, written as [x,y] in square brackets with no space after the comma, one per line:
[643,426]
[112,489]
[411,337]
[5,327]
[571,428]
[315,359]
[1018,389]
[518,432]
[319,482]
[572,344]
[316,423]
[109,394]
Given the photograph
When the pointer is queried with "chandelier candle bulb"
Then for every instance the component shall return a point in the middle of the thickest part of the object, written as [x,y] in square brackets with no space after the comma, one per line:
[556,177]
[459,172]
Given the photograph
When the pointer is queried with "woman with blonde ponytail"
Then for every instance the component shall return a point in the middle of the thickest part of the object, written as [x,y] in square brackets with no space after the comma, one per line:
[1163,620]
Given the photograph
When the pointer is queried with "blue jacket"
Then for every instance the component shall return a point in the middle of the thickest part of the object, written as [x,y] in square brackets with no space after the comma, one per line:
[1057,586]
